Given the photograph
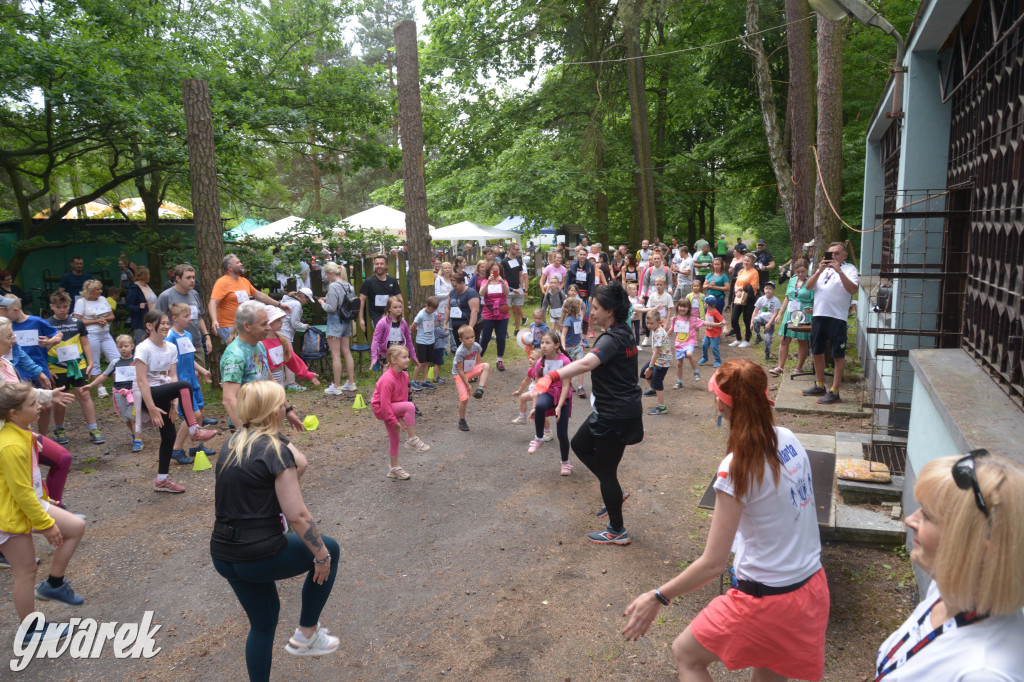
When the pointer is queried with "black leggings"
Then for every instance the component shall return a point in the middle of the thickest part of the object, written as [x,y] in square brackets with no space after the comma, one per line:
[163,396]
[500,329]
[636,331]
[541,406]
[747,311]
[602,457]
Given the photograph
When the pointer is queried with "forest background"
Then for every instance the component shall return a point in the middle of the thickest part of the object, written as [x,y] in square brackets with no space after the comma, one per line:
[632,118]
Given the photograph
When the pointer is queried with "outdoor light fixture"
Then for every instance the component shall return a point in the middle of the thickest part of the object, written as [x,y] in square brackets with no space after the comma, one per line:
[865,14]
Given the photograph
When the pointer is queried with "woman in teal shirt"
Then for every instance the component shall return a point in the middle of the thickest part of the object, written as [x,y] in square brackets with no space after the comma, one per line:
[717,283]
[798,297]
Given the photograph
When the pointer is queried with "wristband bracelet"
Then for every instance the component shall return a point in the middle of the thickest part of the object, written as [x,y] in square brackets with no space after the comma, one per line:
[321,562]
[555,377]
[661,598]
[288,409]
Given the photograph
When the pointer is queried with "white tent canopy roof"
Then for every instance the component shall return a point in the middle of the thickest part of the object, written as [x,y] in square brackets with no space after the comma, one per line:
[276,228]
[469,230]
[382,219]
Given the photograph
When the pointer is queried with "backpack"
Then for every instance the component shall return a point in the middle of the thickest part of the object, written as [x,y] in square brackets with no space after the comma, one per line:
[349,307]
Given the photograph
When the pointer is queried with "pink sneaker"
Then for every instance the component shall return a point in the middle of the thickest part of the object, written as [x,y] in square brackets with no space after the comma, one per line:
[167,486]
[534,445]
[566,468]
[203,435]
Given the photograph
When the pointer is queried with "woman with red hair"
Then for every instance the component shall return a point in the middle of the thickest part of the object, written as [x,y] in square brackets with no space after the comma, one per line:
[774,620]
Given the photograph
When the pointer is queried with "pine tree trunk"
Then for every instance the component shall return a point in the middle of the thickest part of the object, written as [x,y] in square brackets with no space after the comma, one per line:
[644,174]
[202,165]
[830,130]
[411,129]
[801,108]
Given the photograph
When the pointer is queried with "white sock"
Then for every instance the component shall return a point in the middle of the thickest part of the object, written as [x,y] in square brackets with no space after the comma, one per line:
[192,429]
[161,477]
[501,359]
[522,415]
[301,637]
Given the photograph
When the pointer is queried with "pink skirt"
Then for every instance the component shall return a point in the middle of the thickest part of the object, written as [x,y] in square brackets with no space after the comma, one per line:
[784,633]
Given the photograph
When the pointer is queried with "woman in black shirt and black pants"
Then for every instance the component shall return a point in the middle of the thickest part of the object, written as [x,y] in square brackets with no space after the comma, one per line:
[617,417]
[258,475]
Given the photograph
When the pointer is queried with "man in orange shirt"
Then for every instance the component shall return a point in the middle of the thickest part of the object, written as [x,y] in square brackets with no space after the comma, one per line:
[230,291]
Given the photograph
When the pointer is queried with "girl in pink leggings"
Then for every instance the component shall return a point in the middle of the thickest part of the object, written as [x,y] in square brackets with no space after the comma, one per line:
[391,405]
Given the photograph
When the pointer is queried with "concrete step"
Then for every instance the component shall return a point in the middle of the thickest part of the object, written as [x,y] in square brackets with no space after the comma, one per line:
[859,524]
[862,492]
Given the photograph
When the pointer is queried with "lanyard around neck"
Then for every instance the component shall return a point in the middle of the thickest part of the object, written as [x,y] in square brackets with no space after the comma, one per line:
[962,619]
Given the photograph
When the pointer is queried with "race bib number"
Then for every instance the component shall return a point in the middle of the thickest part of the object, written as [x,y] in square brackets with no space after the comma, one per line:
[577,327]
[241,296]
[160,365]
[468,364]
[631,276]
[185,345]
[122,374]
[581,276]
[37,481]
[682,326]
[276,355]
[494,288]
[193,312]
[380,300]
[27,337]
[67,353]
[427,327]
[553,365]
[456,312]
[793,306]
[513,262]
[556,313]
[395,335]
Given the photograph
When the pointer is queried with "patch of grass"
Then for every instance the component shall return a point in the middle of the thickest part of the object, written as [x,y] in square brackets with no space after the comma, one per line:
[90,460]
[88,471]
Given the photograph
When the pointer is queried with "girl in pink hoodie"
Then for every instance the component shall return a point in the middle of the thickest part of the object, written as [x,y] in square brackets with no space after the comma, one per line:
[391,405]
[391,330]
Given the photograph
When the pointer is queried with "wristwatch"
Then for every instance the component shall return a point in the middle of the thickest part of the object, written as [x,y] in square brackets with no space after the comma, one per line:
[661,598]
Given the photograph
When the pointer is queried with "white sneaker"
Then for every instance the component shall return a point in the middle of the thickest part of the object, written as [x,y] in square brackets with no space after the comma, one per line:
[319,644]
[744,344]
[348,386]
[331,390]
[548,436]
[519,420]
[101,392]
[735,343]
[643,344]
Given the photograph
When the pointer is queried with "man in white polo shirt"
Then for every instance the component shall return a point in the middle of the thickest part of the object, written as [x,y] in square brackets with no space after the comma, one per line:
[834,283]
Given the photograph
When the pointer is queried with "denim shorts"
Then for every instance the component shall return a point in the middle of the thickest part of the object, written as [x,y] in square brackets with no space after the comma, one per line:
[338,328]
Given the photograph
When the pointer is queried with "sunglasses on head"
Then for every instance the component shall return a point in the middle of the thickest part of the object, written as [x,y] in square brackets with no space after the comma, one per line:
[966,479]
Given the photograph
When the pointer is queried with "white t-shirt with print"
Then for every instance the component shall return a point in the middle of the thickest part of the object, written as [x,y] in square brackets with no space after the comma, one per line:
[831,299]
[93,310]
[159,361]
[987,650]
[777,541]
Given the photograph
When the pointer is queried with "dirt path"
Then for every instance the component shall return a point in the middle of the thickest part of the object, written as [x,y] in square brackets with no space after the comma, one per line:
[475,569]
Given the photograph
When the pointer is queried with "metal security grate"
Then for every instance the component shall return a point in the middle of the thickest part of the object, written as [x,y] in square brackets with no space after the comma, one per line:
[890,148]
[984,81]
[892,455]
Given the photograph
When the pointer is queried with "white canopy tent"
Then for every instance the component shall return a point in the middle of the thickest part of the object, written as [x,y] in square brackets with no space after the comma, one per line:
[381,219]
[276,228]
[470,231]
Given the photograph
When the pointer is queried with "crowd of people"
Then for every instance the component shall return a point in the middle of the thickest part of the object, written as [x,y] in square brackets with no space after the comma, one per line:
[597,312]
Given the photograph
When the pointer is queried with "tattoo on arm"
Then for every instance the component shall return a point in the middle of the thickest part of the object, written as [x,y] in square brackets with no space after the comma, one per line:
[312,536]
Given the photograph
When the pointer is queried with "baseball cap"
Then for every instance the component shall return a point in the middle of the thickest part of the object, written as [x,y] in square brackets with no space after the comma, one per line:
[761,241]
[7,300]
[710,300]
[770,283]
[306,291]
[274,314]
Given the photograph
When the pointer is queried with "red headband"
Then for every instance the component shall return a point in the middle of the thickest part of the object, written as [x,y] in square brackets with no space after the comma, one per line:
[713,387]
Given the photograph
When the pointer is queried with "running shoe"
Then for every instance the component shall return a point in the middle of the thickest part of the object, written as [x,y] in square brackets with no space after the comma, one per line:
[463,426]
[548,436]
[702,361]
[319,644]
[757,340]
[743,344]
[399,474]
[696,376]
[650,392]
[603,511]
[101,392]
[203,435]
[679,383]
[501,366]
[534,445]
[47,632]
[192,452]
[167,486]
[415,385]
[60,435]
[209,421]
[136,445]
[816,389]
[643,344]
[180,457]
[609,536]
[717,364]
[829,398]
[96,437]
[4,563]
[295,388]
[331,390]
[440,381]
[428,385]
[479,392]
[64,594]
[775,371]
[416,410]
[581,392]
[658,409]
[521,419]
[523,322]
[735,343]
[417,445]
[347,386]
[566,469]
